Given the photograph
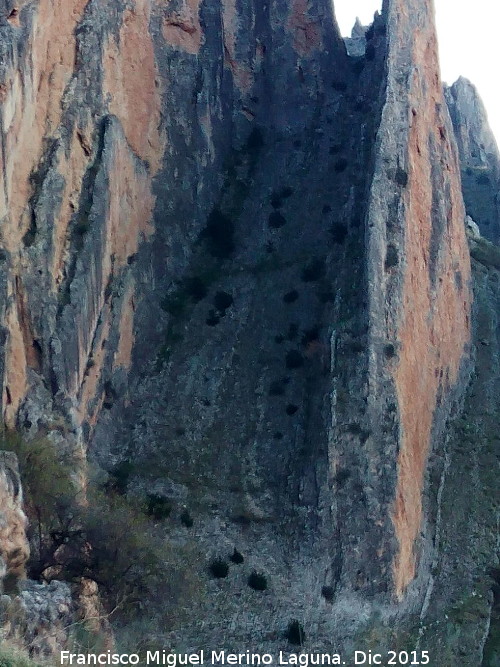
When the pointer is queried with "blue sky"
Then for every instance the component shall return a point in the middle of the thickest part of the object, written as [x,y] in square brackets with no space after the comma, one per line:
[469,42]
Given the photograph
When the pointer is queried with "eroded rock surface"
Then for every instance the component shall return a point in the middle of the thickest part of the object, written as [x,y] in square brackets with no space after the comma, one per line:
[14,548]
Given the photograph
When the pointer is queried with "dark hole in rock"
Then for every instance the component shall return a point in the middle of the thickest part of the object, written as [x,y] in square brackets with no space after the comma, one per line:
[328,592]
[291,409]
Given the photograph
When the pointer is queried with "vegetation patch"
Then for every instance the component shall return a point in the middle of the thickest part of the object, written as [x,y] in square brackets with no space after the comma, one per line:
[158,507]
[186,519]
[276,388]
[218,568]
[276,220]
[315,270]
[223,301]
[257,581]
[338,232]
[236,557]
[291,297]
[294,360]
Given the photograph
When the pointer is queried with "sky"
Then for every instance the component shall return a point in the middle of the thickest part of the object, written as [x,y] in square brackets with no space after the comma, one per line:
[469,41]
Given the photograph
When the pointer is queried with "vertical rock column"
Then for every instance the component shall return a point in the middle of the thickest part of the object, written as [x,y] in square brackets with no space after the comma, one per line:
[418,272]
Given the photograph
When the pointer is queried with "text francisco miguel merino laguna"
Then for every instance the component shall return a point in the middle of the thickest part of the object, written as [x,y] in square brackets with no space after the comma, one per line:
[201,658]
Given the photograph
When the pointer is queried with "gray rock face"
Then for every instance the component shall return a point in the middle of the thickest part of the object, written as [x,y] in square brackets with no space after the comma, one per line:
[14,549]
[40,618]
[356,43]
[479,157]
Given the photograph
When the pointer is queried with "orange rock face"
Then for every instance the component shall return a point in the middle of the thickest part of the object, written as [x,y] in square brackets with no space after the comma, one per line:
[306,31]
[183,30]
[432,327]
[32,99]
[132,84]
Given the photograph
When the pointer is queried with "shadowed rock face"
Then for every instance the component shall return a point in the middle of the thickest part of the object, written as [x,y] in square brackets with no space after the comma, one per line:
[479,157]
[234,258]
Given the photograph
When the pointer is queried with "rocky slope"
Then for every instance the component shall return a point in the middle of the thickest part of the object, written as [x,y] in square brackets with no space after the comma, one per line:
[236,279]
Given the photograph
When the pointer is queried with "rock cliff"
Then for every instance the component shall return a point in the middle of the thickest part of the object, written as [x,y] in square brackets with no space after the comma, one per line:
[236,283]
[479,157]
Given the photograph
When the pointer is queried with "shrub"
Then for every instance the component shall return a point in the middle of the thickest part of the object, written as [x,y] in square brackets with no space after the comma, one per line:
[174,304]
[119,477]
[219,569]
[276,220]
[401,177]
[314,271]
[291,296]
[186,519]
[389,351]
[276,388]
[223,301]
[338,232]
[341,165]
[196,288]
[236,557]
[212,319]
[295,633]
[257,581]
[158,507]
